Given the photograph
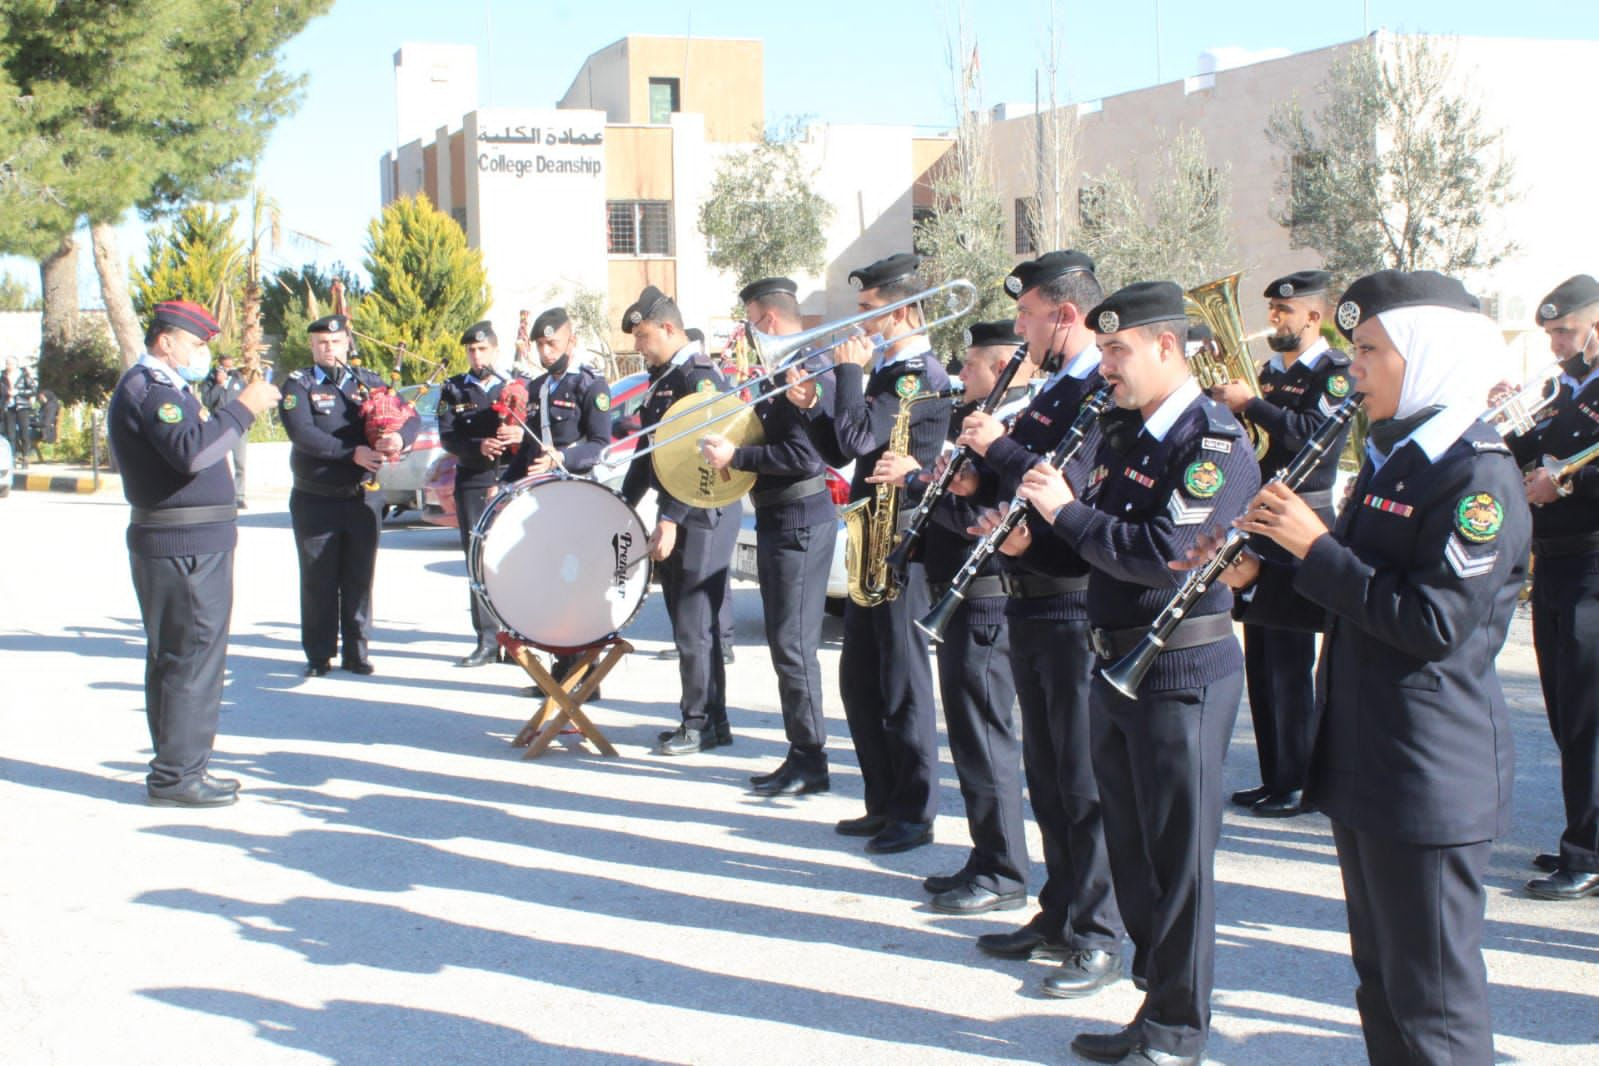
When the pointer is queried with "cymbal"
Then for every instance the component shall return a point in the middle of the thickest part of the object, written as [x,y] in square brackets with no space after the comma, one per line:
[678,464]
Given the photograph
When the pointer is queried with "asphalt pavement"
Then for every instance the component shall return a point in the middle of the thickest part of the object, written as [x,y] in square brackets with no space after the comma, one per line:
[398,886]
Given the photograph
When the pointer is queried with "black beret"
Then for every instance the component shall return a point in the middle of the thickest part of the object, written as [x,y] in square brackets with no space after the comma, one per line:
[1138,304]
[1299,283]
[755,290]
[548,322]
[480,331]
[187,316]
[885,271]
[328,324]
[1388,290]
[1567,297]
[647,302]
[1199,333]
[1047,267]
[984,334]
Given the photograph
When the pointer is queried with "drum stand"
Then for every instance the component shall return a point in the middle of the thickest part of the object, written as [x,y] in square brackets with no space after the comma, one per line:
[568,693]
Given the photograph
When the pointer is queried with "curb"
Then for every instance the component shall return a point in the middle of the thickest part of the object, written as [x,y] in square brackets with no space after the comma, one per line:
[52,483]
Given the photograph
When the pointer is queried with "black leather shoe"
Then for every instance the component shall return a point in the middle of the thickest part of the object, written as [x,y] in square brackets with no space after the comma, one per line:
[321,669]
[941,883]
[900,836]
[1547,861]
[715,735]
[974,899]
[1282,805]
[196,792]
[359,666]
[793,782]
[724,732]
[1106,1047]
[683,741]
[481,656]
[1248,797]
[225,784]
[1565,884]
[1084,973]
[1028,942]
[1144,1055]
[868,825]
[757,780]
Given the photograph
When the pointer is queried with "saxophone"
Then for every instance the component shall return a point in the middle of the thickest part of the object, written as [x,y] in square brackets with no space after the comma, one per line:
[871,524]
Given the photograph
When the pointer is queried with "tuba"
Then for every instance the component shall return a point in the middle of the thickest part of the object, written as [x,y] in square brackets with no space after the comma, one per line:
[871,524]
[1216,304]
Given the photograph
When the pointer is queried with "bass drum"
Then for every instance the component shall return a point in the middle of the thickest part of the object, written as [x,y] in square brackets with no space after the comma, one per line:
[563,563]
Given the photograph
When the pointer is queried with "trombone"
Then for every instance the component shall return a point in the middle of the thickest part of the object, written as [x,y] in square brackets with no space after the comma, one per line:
[778,352]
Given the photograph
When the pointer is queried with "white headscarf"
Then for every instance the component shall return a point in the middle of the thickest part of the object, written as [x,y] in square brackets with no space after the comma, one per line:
[1452,358]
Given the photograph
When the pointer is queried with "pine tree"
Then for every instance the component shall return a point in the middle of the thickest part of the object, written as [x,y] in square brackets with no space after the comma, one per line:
[198,258]
[427,287]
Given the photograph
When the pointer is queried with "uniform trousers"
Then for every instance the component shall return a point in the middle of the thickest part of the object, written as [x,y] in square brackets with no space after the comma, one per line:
[979,696]
[694,582]
[1565,620]
[1279,668]
[792,566]
[1415,934]
[239,451]
[1158,760]
[886,682]
[337,540]
[186,603]
[1053,666]
[471,499]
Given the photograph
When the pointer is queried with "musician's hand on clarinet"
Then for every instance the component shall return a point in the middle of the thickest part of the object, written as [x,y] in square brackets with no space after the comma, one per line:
[1241,573]
[963,483]
[1541,488]
[1016,542]
[663,540]
[1282,516]
[258,396]
[892,468]
[979,430]
[1045,488]
[802,394]
[368,458]
[717,451]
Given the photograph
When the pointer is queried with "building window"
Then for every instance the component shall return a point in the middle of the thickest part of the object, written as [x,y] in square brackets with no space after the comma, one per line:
[921,218]
[1026,225]
[663,100]
[639,227]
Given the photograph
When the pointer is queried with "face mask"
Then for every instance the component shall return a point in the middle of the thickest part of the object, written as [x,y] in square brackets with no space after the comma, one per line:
[199,365]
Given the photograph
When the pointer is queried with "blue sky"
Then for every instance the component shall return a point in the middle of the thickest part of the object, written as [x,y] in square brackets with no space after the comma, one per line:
[832,61]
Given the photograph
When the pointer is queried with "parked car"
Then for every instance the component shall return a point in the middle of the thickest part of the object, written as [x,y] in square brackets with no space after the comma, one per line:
[404,482]
[5,467]
[837,575]
[627,395]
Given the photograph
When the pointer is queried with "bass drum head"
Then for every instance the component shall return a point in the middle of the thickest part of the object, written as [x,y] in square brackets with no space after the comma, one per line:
[563,563]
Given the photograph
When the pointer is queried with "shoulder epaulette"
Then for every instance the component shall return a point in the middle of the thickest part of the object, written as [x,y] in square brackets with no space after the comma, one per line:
[1219,420]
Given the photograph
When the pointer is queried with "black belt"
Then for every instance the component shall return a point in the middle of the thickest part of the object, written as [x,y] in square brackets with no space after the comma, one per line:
[978,588]
[1321,499]
[789,493]
[336,492]
[185,516]
[1190,633]
[1560,547]
[1037,586]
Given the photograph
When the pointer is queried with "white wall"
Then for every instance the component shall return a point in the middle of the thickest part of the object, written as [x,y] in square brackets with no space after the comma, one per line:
[434,85]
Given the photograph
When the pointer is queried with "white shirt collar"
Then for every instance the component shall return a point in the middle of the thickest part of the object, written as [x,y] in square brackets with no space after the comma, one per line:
[1158,424]
[684,354]
[1308,360]
[1078,366]
[919,345]
[165,374]
[485,385]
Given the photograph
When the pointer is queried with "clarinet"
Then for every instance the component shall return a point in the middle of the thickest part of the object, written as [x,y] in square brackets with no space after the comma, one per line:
[916,525]
[1127,673]
[1089,413]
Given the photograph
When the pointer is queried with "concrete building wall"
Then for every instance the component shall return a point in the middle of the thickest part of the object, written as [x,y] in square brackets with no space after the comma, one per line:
[434,84]
[601,84]
[717,78]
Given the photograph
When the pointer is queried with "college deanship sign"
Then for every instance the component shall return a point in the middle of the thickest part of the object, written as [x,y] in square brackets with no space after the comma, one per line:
[525,150]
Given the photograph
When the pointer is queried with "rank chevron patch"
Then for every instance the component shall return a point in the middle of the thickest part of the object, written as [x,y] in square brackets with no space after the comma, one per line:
[1465,565]
[1185,514]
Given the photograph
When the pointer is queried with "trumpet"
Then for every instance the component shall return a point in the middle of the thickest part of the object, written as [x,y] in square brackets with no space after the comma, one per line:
[782,353]
[1515,415]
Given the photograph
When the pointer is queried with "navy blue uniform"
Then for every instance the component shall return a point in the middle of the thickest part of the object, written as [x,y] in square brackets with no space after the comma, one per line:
[466,419]
[694,578]
[796,527]
[218,393]
[336,521]
[1279,663]
[1158,758]
[572,408]
[1414,592]
[1052,665]
[884,676]
[180,548]
[1565,607]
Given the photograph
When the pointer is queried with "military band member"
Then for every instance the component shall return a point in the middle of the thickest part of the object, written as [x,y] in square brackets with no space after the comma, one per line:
[479,439]
[568,408]
[1565,583]
[796,525]
[692,546]
[974,673]
[336,520]
[1047,607]
[1304,382]
[181,537]
[1414,591]
[1169,464]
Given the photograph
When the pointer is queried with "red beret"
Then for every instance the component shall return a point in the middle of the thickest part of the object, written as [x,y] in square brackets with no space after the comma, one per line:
[184,315]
